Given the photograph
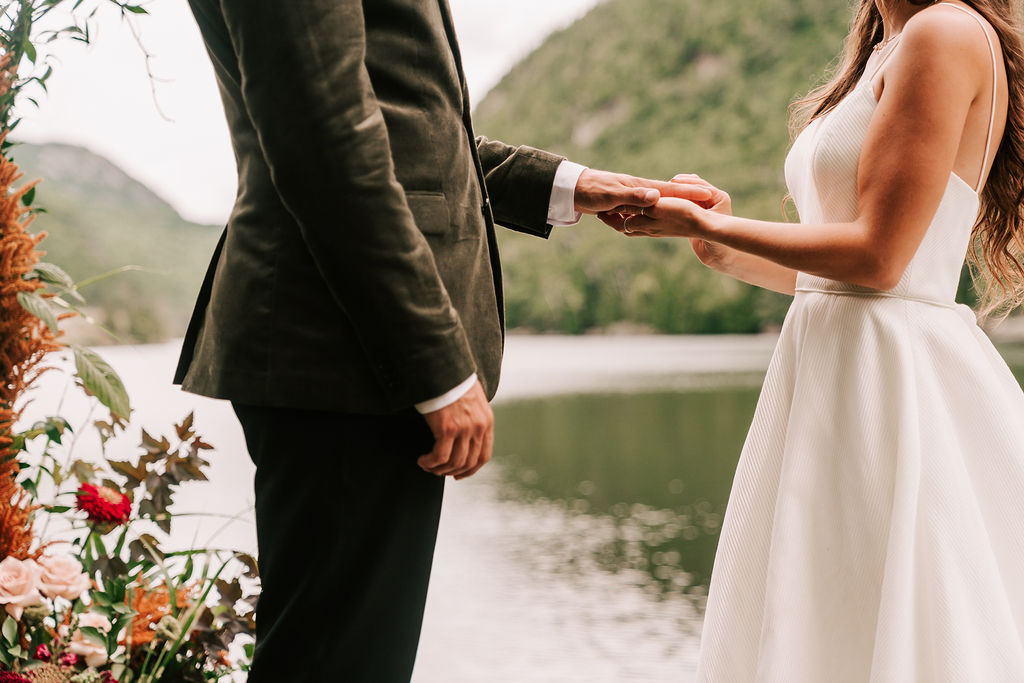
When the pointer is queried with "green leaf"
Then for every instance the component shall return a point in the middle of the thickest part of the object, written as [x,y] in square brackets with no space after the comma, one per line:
[53,274]
[30,52]
[16,651]
[99,545]
[28,197]
[94,634]
[117,552]
[10,630]
[37,306]
[101,381]
[30,486]
[53,432]
[135,9]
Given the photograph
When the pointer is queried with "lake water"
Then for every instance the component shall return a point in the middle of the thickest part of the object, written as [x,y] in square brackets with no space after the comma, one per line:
[582,553]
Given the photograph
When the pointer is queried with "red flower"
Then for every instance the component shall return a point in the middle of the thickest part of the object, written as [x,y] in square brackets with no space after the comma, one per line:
[43,653]
[67,659]
[107,677]
[103,504]
[11,677]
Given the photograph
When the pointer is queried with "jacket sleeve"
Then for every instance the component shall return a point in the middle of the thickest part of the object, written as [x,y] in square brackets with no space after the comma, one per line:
[519,182]
[307,91]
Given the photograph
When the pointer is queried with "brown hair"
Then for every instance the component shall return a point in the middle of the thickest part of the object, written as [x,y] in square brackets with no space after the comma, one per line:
[998,237]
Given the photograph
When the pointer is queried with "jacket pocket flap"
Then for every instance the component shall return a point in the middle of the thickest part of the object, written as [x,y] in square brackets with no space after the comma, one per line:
[430,209]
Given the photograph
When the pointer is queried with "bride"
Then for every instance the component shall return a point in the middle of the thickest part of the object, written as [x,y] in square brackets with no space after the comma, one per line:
[875,530]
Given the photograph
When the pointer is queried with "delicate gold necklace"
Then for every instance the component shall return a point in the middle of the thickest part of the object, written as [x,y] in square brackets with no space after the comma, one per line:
[883,44]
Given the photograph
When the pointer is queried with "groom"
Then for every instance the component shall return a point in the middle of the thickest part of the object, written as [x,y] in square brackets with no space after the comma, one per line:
[352,312]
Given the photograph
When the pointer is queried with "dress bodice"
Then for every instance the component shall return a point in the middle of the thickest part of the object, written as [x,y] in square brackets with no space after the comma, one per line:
[821,172]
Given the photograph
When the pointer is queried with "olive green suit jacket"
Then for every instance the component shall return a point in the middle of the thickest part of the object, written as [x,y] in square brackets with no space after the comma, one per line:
[358,271]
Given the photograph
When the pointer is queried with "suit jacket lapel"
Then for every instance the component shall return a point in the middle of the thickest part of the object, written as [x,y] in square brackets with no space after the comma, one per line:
[453,44]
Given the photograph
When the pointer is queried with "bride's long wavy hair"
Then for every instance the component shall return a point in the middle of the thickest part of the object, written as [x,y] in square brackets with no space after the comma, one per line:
[997,254]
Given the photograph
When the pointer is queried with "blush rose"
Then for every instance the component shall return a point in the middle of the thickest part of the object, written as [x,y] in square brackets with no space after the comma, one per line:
[19,585]
[62,576]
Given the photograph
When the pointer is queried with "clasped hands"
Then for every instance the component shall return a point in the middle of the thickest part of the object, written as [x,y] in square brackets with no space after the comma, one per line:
[685,207]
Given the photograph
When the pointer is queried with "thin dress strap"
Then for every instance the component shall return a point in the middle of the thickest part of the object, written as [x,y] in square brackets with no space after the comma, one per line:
[995,87]
[895,40]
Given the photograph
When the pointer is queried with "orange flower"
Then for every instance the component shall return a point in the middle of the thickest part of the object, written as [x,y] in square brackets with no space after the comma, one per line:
[24,342]
[150,607]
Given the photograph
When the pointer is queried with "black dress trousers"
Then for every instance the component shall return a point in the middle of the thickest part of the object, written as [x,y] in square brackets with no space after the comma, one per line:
[346,523]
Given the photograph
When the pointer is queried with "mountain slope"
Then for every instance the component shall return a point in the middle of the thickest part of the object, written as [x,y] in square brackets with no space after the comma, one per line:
[98,219]
[655,88]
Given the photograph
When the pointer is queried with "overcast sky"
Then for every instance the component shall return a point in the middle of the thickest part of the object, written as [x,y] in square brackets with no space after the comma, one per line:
[99,96]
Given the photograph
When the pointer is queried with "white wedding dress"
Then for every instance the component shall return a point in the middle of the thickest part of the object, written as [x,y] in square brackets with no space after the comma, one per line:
[875,530]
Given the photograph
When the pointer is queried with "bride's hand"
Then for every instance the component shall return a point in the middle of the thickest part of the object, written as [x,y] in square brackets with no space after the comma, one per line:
[671,217]
[720,201]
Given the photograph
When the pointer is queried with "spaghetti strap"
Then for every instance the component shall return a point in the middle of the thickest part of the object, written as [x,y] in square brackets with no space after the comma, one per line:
[995,87]
[895,40]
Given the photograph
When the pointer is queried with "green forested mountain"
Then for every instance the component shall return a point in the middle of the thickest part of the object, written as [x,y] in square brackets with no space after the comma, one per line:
[649,87]
[98,219]
[655,88]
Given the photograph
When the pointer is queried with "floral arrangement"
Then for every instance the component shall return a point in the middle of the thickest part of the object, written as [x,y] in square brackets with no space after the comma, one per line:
[99,600]
[89,591]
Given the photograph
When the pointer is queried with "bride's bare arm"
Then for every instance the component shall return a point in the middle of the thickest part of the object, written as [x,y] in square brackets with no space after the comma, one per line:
[912,144]
[746,267]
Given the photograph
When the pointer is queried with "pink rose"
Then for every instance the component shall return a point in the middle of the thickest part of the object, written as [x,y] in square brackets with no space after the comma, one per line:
[62,576]
[94,653]
[19,585]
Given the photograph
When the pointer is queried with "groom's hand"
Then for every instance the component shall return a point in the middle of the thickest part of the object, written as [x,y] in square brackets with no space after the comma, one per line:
[602,191]
[463,436]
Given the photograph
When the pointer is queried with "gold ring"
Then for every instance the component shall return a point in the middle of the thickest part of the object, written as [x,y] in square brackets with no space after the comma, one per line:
[625,226]
[642,211]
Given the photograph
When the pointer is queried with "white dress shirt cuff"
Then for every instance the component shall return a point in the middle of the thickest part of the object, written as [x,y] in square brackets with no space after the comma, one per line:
[447,398]
[562,207]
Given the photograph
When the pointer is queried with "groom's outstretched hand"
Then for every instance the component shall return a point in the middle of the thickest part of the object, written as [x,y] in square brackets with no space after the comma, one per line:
[602,191]
[463,436]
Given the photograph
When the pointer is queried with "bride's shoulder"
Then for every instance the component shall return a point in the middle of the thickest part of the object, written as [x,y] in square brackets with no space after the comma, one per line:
[949,32]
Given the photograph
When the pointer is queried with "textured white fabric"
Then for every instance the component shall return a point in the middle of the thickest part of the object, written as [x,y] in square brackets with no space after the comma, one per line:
[875,530]
[447,398]
[562,205]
